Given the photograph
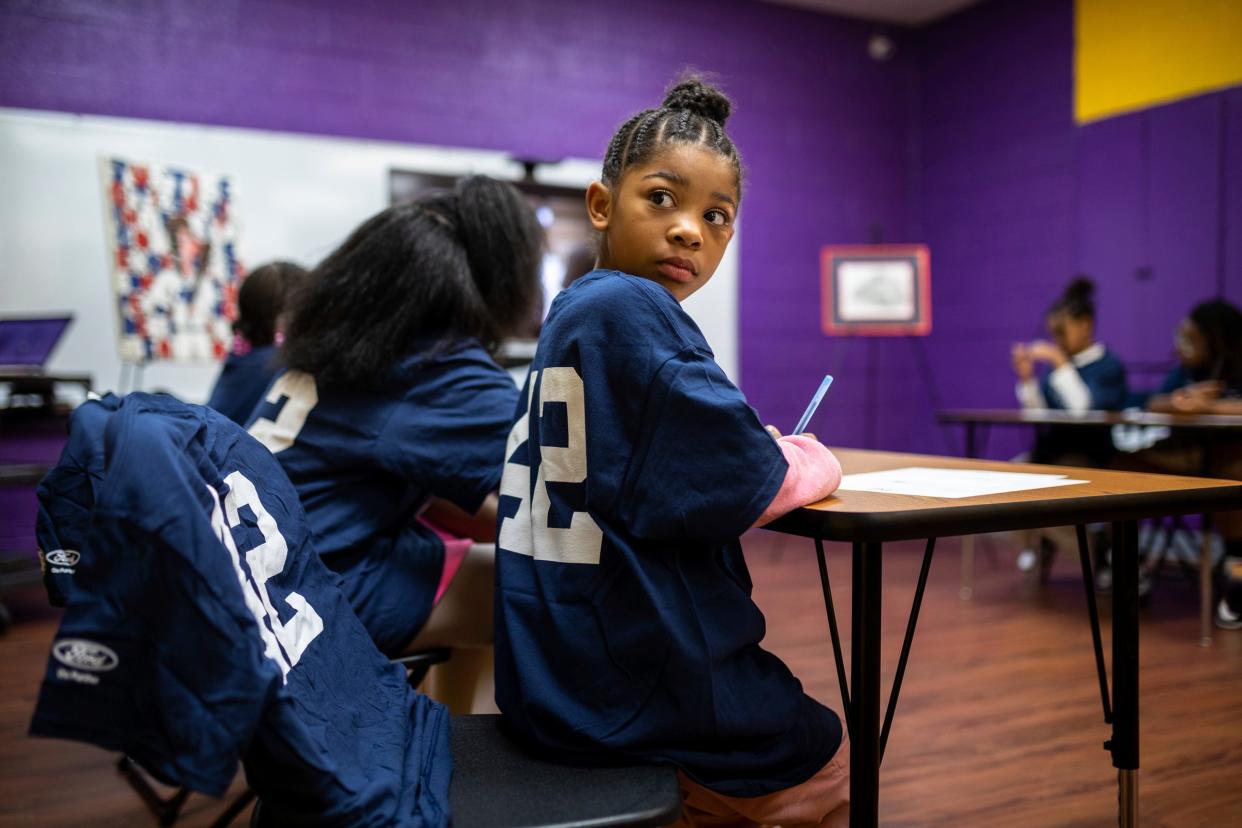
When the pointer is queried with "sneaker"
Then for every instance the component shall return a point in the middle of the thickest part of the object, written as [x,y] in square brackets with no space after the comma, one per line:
[1229,610]
[1104,579]
[1027,560]
[1226,618]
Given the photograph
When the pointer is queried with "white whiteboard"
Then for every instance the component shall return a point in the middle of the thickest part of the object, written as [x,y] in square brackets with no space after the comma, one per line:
[298,196]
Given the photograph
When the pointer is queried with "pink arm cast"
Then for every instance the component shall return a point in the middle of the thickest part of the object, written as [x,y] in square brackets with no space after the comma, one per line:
[814,473]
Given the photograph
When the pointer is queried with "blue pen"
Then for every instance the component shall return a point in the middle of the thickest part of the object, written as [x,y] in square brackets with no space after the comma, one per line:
[815,401]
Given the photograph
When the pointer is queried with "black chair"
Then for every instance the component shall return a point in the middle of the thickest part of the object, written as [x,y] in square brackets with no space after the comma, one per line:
[498,785]
[167,809]
[417,664]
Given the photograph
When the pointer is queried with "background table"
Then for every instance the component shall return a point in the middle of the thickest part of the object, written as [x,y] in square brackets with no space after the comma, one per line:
[1207,428]
[867,520]
[973,418]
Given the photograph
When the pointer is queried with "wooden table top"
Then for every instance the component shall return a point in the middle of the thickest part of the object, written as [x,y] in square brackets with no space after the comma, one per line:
[1048,416]
[1106,496]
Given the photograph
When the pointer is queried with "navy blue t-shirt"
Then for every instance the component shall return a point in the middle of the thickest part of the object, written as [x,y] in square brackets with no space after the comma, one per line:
[1105,378]
[67,495]
[202,627]
[242,381]
[365,462]
[1178,377]
[624,622]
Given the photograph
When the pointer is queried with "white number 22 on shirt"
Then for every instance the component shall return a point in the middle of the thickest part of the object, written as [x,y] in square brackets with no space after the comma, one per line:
[528,532]
[283,642]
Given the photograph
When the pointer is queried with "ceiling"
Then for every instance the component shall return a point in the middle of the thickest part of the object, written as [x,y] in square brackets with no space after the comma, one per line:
[906,12]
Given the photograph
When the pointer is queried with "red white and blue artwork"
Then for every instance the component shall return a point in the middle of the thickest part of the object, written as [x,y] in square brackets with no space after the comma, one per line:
[173,242]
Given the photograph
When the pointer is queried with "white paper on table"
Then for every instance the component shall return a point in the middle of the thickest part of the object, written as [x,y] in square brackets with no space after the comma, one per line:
[955,483]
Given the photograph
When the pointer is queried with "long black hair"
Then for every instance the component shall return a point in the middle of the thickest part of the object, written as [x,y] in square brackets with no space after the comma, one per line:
[419,276]
[1221,326]
[262,297]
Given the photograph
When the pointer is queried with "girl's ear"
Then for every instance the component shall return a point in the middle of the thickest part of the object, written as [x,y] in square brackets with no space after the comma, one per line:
[599,205]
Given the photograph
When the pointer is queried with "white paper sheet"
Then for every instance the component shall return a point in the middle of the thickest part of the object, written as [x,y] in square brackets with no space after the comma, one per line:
[955,483]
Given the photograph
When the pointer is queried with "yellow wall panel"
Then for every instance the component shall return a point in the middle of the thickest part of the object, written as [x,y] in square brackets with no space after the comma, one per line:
[1132,54]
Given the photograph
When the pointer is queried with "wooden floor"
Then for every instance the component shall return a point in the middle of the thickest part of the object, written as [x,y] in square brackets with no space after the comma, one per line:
[999,722]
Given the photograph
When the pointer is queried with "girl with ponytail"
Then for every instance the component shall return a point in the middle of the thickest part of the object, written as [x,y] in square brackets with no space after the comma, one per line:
[625,628]
[251,364]
[1083,374]
[391,407]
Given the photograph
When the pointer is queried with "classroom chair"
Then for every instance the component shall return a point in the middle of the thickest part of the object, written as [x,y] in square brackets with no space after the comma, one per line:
[496,784]
[185,449]
[167,809]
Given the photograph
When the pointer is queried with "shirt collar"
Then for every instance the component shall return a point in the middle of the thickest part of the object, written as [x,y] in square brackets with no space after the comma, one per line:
[1088,355]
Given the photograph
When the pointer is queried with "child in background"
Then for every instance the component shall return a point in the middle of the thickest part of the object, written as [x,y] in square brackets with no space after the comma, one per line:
[1208,376]
[392,404]
[625,627]
[1084,376]
[251,364]
[1206,380]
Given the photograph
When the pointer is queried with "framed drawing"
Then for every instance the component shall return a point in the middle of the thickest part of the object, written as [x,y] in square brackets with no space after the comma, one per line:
[876,290]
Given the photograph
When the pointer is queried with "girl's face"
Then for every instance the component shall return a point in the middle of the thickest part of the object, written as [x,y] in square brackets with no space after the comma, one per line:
[1071,335]
[1191,345]
[669,219]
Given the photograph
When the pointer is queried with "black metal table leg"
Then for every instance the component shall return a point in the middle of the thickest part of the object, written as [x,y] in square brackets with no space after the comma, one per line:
[1205,583]
[832,629]
[1088,584]
[235,809]
[865,687]
[1124,744]
[904,659]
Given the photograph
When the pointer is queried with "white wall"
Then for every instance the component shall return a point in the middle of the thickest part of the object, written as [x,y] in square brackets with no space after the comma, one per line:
[297,198]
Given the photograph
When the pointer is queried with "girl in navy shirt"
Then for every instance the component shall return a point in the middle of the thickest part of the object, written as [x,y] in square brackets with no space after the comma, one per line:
[1083,375]
[392,404]
[251,364]
[1208,376]
[1206,380]
[625,627]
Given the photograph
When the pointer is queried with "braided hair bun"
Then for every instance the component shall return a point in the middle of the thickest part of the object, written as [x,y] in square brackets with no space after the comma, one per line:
[1078,301]
[1081,289]
[693,114]
[692,95]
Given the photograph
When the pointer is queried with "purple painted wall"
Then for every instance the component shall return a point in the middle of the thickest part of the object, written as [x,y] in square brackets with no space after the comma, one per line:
[823,129]
[1231,203]
[964,141]
[1015,198]
[996,193]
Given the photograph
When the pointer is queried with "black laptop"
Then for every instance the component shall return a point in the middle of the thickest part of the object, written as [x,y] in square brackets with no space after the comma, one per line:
[26,344]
